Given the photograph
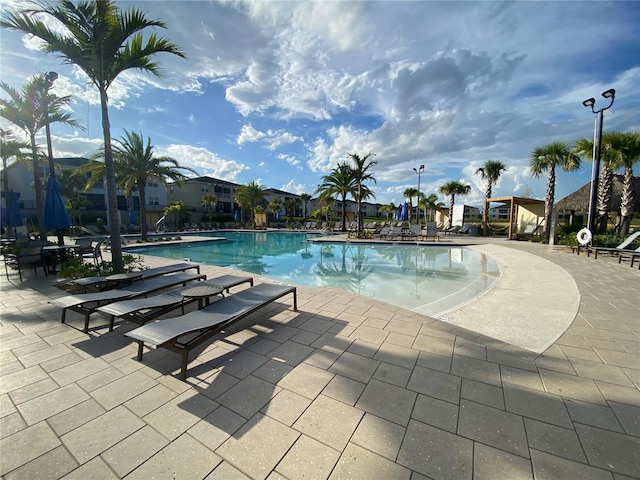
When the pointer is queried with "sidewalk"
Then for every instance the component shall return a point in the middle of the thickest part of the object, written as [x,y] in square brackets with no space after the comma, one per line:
[346,387]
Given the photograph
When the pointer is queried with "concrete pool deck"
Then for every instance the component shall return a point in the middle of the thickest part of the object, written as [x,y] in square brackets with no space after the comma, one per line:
[346,387]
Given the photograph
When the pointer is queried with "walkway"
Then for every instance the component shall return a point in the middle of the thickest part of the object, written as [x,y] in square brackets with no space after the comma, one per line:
[344,388]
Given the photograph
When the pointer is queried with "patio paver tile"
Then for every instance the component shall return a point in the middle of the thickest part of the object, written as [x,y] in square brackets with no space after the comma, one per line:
[149,400]
[357,462]
[306,380]
[75,416]
[610,450]
[55,463]
[32,390]
[226,471]
[51,403]
[10,424]
[562,442]
[248,396]
[379,435]
[134,450]
[435,384]
[214,429]
[551,467]
[26,445]
[437,413]
[354,366]
[286,407]
[308,459]
[387,401]
[538,405]
[487,461]
[16,380]
[123,389]
[95,468]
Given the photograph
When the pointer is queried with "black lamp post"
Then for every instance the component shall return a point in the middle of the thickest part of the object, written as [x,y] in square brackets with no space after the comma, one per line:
[418,171]
[597,140]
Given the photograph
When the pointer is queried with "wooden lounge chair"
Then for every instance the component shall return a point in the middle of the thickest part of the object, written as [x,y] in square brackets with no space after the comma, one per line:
[184,333]
[143,310]
[88,303]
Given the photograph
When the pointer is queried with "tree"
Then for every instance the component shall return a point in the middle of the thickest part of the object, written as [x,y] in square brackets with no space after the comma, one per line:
[30,109]
[103,41]
[275,205]
[454,188]
[305,198]
[409,193]
[490,172]
[249,196]
[134,166]
[9,148]
[174,208]
[361,174]
[290,206]
[545,159]
[209,200]
[387,209]
[339,182]
[431,204]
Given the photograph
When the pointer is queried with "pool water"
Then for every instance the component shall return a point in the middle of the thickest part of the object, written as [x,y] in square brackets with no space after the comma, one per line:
[427,279]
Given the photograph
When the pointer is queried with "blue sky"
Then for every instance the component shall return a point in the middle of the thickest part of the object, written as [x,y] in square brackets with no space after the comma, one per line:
[280,92]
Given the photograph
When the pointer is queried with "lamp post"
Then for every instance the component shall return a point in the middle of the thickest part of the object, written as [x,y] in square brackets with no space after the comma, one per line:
[418,171]
[597,140]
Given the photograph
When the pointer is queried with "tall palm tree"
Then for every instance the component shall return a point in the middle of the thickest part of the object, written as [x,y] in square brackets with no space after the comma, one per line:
[490,172]
[275,205]
[623,148]
[454,188]
[388,209]
[306,198]
[209,200]
[103,41]
[30,109]
[134,166]
[409,193]
[584,148]
[250,196]
[9,148]
[361,173]
[545,159]
[340,182]
[431,204]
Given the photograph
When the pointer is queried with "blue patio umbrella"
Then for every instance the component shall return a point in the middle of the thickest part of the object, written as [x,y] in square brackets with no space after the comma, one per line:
[14,216]
[404,214]
[277,216]
[55,214]
[399,212]
[132,216]
[237,216]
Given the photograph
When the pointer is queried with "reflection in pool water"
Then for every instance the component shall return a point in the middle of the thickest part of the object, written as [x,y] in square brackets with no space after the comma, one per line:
[427,279]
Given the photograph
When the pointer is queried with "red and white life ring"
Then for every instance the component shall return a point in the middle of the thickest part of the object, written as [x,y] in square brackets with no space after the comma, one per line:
[584,236]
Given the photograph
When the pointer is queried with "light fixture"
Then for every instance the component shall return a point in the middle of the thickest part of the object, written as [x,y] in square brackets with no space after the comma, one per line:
[418,171]
[597,141]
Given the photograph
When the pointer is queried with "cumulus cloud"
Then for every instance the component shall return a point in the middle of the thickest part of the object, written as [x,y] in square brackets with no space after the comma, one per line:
[203,161]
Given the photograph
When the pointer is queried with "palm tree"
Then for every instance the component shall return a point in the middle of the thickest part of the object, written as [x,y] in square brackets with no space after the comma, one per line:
[209,200]
[290,206]
[306,198]
[490,172]
[387,209]
[360,169]
[623,151]
[250,196]
[175,207]
[339,182]
[9,147]
[30,109]
[103,41]
[454,188]
[430,204]
[409,193]
[545,159]
[275,205]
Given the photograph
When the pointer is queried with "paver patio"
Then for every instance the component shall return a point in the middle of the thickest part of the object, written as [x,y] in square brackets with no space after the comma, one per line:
[346,387]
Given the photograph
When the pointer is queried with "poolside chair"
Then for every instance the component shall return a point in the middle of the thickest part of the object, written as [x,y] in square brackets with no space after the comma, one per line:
[143,310]
[431,231]
[26,257]
[614,250]
[88,303]
[184,333]
[414,232]
[528,232]
[632,255]
[89,282]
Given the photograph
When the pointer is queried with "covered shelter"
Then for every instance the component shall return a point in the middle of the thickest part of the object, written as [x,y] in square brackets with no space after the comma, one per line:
[522,211]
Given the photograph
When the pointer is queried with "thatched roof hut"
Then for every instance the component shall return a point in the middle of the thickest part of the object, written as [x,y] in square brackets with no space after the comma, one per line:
[578,201]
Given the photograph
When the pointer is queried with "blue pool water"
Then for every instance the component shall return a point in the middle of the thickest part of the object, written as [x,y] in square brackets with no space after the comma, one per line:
[427,279]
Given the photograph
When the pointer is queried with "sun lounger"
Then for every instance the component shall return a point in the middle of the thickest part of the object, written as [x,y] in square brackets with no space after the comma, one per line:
[143,310]
[632,255]
[614,250]
[87,282]
[183,334]
[88,303]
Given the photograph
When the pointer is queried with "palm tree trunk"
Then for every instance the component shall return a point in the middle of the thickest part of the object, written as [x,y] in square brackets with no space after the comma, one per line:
[344,214]
[112,198]
[626,204]
[548,203]
[453,199]
[143,212]
[604,196]
[485,210]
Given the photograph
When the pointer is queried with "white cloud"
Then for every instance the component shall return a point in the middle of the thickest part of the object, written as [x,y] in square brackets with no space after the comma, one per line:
[204,161]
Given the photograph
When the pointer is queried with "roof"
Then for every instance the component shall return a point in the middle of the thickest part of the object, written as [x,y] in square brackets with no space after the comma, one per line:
[578,201]
[516,200]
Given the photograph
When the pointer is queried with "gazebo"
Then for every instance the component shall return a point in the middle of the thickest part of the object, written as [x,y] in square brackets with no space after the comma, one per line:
[522,211]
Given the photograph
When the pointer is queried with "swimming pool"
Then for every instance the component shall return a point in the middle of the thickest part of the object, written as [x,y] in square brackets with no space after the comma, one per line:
[427,279]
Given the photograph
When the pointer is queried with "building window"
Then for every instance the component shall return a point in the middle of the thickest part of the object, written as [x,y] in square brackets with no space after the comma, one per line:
[154,201]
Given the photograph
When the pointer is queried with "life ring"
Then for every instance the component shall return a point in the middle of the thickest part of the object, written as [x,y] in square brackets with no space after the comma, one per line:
[584,236]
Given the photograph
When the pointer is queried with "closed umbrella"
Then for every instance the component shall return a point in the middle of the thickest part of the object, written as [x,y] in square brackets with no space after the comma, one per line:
[237,216]
[55,213]
[404,215]
[132,216]
[277,216]
[14,216]
[399,212]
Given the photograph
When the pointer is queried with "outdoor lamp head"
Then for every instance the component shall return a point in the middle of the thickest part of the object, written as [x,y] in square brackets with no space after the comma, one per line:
[611,93]
[590,102]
